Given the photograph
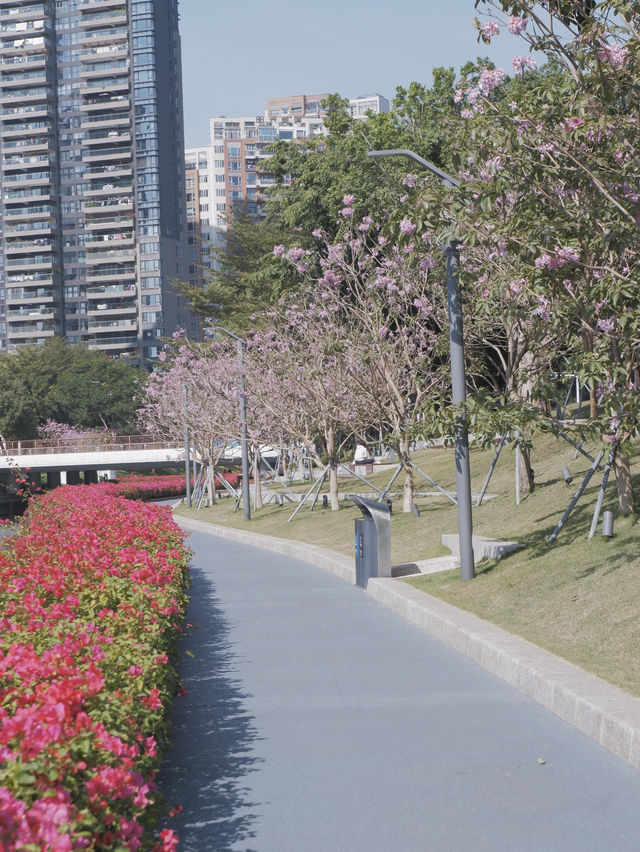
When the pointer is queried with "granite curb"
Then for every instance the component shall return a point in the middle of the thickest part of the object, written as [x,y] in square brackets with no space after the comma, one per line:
[593,706]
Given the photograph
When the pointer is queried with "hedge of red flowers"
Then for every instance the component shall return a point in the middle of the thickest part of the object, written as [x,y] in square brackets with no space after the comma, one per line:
[145,487]
[92,593]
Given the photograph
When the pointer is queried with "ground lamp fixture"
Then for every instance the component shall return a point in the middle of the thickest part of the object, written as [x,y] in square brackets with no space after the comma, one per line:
[458,378]
[244,444]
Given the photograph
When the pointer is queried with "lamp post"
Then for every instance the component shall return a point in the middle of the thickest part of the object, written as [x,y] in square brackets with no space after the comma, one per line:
[244,445]
[187,451]
[458,379]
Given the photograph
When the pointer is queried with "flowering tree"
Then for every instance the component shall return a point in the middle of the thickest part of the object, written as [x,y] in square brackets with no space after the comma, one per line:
[299,376]
[198,390]
[388,303]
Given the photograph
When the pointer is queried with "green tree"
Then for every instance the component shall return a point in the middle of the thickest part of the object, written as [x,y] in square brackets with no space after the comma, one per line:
[68,384]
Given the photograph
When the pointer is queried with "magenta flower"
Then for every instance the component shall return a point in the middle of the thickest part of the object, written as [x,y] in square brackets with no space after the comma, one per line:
[278,251]
[348,200]
[490,28]
[347,212]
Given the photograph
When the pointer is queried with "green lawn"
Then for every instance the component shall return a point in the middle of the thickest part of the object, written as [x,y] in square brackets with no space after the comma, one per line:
[579,599]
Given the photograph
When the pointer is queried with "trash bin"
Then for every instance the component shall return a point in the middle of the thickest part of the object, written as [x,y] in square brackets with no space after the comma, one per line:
[372,540]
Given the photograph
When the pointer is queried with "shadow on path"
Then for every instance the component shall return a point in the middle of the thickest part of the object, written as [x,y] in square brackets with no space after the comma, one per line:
[212,735]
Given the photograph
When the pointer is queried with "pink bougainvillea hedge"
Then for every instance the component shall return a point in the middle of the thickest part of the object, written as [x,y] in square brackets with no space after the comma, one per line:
[92,595]
[145,487]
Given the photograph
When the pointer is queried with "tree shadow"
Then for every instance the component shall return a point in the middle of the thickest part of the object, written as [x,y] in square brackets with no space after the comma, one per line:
[212,736]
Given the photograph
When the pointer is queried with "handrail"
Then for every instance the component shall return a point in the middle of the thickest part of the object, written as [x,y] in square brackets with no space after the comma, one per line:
[120,443]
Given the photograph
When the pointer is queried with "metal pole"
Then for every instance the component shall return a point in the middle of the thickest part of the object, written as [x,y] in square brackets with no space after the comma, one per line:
[459,396]
[576,497]
[603,486]
[517,435]
[458,379]
[491,469]
[243,434]
[187,454]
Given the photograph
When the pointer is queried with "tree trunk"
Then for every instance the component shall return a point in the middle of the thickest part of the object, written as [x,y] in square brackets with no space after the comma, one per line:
[257,480]
[626,497]
[526,471]
[408,491]
[334,497]
[211,484]
[593,402]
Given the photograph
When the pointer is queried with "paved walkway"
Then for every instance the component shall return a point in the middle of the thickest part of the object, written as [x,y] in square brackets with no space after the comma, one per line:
[318,720]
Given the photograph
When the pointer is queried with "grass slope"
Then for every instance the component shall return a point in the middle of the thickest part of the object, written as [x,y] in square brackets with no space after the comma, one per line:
[579,599]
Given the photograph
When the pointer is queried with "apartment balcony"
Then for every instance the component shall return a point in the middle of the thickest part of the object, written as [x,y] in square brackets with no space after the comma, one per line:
[98,241]
[22,215]
[100,16]
[31,111]
[102,103]
[28,230]
[25,128]
[109,189]
[106,325]
[107,137]
[10,96]
[107,291]
[91,207]
[109,172]
[10,45]
[107,155]
[95,277]
[16,75]
[15,247]
[115,222]
[18,180]
[126,255]
[21,13]
[17,162]
[99,310]
[32,312]
[112,120]
[30,264]
[126,342]
[98,4]
[104,52]
[28,60]
[103,36]
[19,295]
[44,328]
[118,84]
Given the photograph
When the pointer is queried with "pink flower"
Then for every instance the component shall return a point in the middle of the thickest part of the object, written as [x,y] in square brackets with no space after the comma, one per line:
[489,79]
[516,25]
[407,227]
[490,28]
[522,63]
[278,251]
[348,200]
[615,55]
[347,212]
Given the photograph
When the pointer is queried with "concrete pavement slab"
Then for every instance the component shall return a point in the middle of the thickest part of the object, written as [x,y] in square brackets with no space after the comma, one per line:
[317,720]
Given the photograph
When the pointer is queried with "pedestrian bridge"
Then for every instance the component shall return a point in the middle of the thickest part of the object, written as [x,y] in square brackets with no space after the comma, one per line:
[131,452]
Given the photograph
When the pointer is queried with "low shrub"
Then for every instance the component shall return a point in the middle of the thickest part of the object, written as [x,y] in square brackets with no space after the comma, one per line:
[92,595]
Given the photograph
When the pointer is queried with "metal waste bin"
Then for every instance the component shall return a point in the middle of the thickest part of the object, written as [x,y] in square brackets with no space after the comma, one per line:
[372,540]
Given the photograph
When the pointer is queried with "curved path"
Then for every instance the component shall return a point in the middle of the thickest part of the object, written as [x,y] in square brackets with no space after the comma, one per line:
[317,720]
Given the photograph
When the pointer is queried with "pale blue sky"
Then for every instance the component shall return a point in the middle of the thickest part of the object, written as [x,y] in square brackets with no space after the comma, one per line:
[235,55]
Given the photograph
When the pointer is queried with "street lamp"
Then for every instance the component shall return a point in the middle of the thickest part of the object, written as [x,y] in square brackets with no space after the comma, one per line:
[458,379]
[244,446]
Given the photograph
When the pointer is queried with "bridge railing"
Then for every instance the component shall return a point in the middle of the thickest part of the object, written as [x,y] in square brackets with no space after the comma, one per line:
[108,444]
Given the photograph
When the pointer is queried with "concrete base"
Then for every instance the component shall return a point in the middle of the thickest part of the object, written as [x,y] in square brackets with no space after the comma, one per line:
[483,548]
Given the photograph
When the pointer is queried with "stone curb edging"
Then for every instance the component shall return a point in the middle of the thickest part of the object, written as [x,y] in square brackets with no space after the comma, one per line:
[588,703]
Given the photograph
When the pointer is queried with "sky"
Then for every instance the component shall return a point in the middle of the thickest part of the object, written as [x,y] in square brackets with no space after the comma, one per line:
[236,55]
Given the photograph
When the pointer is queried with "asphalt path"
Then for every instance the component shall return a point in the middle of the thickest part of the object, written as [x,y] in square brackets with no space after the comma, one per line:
[317,720]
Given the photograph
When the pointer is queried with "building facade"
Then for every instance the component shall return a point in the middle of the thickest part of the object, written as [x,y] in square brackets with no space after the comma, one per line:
[92,213]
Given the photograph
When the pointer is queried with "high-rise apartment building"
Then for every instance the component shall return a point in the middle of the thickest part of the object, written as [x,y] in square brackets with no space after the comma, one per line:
[91,137]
